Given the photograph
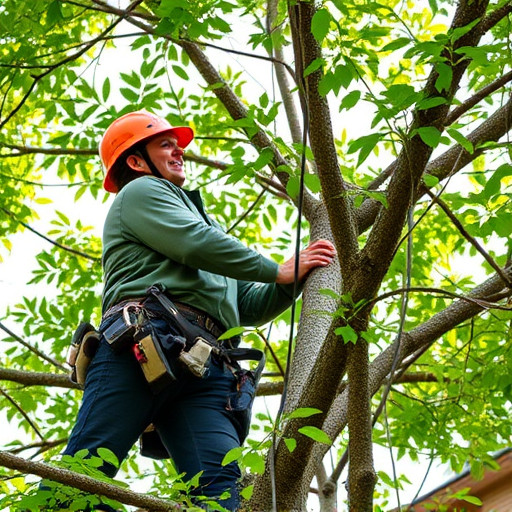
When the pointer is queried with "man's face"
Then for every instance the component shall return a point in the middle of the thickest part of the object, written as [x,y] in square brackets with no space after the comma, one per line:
[167,157]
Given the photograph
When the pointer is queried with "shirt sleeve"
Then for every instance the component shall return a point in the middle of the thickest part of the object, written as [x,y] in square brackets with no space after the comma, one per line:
[154,214]
[258,303]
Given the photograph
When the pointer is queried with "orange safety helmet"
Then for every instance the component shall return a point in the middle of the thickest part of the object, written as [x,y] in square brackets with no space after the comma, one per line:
[130,129]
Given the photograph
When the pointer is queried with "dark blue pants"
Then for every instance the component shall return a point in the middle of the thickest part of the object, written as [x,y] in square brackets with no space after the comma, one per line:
[190,415]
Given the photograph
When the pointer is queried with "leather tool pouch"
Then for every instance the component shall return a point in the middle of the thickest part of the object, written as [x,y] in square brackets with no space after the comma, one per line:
[84,345]
[149,353]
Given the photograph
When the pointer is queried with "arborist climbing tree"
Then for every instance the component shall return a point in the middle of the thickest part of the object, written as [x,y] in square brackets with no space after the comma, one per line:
[174,282]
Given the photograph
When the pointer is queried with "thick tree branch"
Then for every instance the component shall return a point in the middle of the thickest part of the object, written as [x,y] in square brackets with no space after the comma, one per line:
[362,477]
[337,202]
[494,17]
[85,483]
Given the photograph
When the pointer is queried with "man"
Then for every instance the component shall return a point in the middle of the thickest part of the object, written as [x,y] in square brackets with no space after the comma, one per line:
[158,232]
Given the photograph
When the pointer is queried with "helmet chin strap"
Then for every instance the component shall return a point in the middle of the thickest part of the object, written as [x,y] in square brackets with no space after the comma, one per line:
[152,167]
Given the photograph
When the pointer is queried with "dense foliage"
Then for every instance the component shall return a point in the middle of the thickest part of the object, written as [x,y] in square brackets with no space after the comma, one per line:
[408,110]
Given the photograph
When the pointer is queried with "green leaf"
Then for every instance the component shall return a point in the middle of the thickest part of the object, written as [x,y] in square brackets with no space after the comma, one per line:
[290,443]
[54,13]
[463,141]
[233,454]
[347,333]
[255,462]
[472,499]
[444,79]
[312,181]
[430,181]
[320,24]
[108,456]
[304,412]
[350,100]
[129,94]
[131,79]
[327,83]
[180,72]
[396,44]
[329,293]
[105,91]
[234,331]
[246,492]
[316,434]
[430,135]
[293,186]
[316,64]
[432,102]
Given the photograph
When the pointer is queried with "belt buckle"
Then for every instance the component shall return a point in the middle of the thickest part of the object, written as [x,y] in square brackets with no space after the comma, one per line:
[210,326]
[135,306]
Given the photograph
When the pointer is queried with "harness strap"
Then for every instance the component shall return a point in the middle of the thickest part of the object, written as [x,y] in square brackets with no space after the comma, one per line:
[192,332]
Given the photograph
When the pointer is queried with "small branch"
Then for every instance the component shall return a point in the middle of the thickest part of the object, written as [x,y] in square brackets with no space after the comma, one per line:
[44,237]
[475,300]
[247,212]
[45,379]
[495,17]
[479,96]
[469,238]
[42,445]
[39,184]
[68,59]
[85,483]
[28,150]
[18,407]
[32,349]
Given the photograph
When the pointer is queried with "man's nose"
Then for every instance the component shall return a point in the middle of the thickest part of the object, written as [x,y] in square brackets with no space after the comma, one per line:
[178,151]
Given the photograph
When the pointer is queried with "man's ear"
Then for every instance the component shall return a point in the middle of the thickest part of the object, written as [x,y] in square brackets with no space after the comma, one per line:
[136,163]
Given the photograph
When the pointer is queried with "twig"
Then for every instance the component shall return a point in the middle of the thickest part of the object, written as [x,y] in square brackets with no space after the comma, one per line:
[247,212]
[468,237]
[31,348]
[480,302]
[44,237]
[22,412]
[42,445]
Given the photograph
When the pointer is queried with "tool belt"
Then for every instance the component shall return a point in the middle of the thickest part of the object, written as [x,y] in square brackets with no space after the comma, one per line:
[193,343]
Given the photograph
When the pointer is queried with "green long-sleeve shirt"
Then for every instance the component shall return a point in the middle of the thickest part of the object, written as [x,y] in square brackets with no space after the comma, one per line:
[157,232]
